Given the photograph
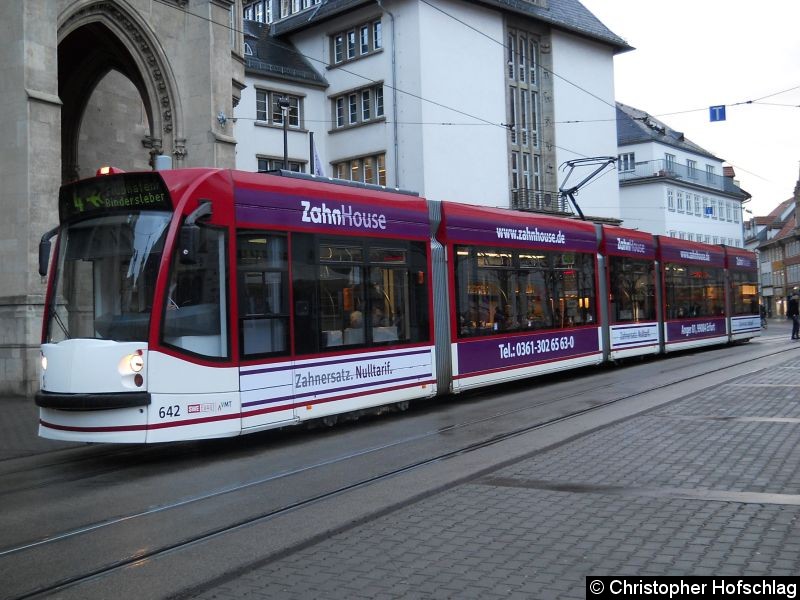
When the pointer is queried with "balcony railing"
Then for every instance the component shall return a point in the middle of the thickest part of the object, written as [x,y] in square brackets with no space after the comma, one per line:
[660,168]
[539,201]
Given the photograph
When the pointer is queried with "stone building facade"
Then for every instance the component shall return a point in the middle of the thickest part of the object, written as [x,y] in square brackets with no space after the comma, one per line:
[90,82]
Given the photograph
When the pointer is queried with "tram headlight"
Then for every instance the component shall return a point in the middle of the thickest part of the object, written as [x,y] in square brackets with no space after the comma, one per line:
[44,363]
[132,363]
[136,363]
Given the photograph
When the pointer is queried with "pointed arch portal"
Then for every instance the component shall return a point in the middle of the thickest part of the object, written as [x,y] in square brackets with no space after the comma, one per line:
[96,42]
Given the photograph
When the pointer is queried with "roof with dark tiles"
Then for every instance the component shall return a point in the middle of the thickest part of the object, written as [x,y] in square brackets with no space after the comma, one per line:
[277,58]
[635,126]
[567,15]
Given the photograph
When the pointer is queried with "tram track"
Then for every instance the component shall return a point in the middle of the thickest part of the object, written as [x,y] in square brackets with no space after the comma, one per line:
[44,544]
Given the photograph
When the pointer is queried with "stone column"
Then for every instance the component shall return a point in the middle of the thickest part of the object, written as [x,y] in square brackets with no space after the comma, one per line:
[30,171]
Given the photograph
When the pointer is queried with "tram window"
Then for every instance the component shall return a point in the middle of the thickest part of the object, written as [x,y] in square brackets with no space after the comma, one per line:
[744,292]
[263,284]
[632,286]
[341,305]
[195,309]
[358,293]
[693,291]
[502,290]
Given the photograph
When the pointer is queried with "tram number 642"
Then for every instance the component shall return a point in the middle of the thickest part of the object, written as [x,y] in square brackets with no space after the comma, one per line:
[169,411]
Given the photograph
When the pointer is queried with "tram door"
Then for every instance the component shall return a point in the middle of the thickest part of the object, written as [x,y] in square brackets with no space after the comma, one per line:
[265,377]
[194,387]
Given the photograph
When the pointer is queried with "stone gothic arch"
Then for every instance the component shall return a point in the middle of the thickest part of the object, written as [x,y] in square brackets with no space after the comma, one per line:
[96,37]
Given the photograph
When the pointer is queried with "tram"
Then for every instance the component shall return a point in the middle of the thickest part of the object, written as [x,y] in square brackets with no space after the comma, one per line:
[202,303]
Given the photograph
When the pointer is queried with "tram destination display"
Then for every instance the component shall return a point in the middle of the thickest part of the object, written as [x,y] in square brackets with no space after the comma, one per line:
[101,195]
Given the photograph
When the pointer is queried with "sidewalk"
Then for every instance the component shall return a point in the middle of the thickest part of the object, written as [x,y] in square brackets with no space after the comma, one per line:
[705,485]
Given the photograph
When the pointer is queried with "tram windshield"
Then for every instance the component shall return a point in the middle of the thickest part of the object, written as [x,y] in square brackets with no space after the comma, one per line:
[106,276]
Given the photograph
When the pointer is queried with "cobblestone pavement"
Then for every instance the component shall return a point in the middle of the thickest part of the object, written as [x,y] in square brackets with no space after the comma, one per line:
[706,485]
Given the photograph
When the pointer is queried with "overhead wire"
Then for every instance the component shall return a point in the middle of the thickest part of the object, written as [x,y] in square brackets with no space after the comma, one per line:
[476,117]
[386,85]
[482,120]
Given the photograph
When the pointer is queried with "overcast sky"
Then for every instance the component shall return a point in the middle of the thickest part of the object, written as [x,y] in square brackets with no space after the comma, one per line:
[691,55]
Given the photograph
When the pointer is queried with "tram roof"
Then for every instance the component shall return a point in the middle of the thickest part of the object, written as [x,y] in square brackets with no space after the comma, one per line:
[621,241]
[683,251]
[463,223]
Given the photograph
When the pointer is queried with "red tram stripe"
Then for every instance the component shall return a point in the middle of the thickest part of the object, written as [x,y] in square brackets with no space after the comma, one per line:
[199,420]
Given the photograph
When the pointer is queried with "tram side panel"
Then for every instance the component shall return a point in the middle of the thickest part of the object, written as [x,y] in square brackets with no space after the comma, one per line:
[693,283]
[357,293]
[744,312]
[522,294]
[630,277]
[193,374]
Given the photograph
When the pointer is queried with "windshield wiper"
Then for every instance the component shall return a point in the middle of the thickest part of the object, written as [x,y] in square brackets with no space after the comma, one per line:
[58,320]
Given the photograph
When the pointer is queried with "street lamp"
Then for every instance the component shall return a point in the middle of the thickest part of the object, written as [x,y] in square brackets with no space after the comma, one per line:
[283,104]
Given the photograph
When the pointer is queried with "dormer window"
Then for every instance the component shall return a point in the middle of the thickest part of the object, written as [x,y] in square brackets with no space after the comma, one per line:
[362,40]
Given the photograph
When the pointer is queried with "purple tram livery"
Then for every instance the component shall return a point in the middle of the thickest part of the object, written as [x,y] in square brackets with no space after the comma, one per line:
[203,303]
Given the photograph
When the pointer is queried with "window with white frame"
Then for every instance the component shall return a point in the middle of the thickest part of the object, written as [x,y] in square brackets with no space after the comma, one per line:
[728,211]
[351,44]
[691,168]
[515,171]
[714,213]
[627,161]
[670,200]
[273,164]
[352,104]
[710,176]
[362,40]
[706,207]
[366,105]
[736,210]
[268,109]
[523,110]
[358,107]
[698,211]
[338,110]
[379,101]
[258,11]
[292,7]
[526,171]
[679,200]
[338,47]
[670,162]
[366,169]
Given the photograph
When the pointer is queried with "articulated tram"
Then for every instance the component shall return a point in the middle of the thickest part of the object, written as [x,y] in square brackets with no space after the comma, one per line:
[201,303]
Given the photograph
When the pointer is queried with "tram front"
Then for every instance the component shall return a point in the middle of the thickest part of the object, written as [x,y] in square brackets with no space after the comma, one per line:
[112,232]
